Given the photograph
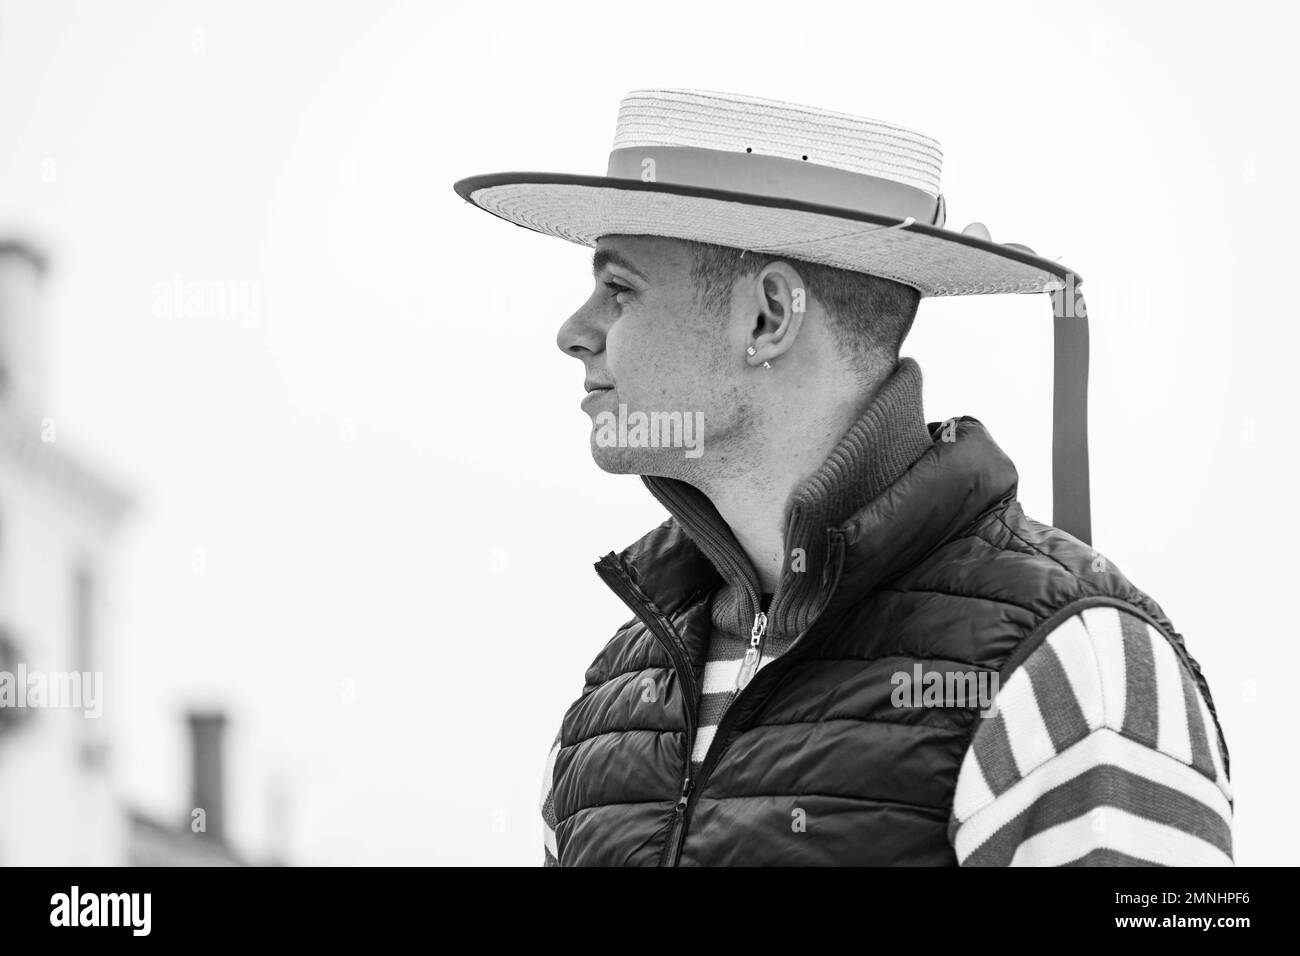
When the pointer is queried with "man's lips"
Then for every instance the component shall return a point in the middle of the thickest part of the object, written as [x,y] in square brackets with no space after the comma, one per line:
[594,392]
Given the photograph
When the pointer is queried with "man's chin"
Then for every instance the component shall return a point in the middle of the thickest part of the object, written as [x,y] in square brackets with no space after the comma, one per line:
[617,461]
[664,462]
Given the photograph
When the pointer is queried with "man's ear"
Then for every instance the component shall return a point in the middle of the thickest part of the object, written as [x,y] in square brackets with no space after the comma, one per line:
[778,303]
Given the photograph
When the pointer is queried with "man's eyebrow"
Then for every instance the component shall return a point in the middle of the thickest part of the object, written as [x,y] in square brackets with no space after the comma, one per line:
[604,257]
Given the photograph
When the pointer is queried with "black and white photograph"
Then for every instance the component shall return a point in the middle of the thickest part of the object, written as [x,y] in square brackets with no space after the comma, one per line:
[677,435]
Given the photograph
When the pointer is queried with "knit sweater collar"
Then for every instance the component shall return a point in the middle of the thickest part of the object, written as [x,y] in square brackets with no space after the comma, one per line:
[877,449]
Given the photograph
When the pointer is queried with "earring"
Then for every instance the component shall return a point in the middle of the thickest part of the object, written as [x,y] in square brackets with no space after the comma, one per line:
[767,365]
[751,351]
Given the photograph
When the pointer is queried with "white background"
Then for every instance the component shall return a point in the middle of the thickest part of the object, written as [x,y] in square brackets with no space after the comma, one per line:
[387,469]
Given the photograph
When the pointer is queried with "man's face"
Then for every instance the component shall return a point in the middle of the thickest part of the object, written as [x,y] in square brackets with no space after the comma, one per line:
[646,345]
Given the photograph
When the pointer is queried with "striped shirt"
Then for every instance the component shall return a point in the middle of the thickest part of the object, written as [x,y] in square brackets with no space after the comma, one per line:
[722,670]
[1101,751]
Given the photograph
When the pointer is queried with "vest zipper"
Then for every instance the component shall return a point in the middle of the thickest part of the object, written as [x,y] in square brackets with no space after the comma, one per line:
[613,573]
[753,652]
[719,744]
[672,848]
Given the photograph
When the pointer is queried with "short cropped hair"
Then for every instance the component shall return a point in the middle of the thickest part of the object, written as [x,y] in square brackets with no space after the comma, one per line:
[869,315]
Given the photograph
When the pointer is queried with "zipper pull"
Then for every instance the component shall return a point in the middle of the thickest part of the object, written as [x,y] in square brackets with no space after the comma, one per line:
[673,848]
[753,652]
[687,786]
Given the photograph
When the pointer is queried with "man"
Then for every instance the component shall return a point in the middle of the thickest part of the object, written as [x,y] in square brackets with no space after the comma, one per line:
[849,644]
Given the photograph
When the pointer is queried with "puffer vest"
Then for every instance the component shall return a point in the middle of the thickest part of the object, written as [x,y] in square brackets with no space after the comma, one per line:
[813,764]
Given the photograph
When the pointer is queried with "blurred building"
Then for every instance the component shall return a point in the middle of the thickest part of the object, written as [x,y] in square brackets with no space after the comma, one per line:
[57,524]
[201,839]
[58,520]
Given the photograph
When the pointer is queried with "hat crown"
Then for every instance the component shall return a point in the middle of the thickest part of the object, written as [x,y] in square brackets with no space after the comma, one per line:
[731,122]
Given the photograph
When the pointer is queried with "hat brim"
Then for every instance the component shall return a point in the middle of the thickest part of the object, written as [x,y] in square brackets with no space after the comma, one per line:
[934,260]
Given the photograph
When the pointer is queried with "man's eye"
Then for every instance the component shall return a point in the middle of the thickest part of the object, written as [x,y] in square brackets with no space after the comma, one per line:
[617,288]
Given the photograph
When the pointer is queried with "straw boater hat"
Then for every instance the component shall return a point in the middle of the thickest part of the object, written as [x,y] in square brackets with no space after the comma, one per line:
[832,188]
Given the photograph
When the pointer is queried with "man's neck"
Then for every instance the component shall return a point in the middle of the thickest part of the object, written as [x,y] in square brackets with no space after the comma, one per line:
[807,477]
[792,445]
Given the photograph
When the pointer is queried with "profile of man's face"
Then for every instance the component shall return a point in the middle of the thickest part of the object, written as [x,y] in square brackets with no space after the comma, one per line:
[647,347]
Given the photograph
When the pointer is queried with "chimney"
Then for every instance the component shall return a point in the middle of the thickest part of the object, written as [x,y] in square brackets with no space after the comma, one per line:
[206,730]
[22,267]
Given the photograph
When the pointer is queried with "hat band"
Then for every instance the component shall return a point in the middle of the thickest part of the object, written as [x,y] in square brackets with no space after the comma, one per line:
[776,177]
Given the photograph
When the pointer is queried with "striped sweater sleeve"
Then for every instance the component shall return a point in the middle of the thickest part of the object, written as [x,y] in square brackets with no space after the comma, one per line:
[1101,751]
[548,807]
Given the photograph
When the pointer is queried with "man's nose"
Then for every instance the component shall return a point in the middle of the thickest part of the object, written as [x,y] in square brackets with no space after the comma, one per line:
[582,332]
